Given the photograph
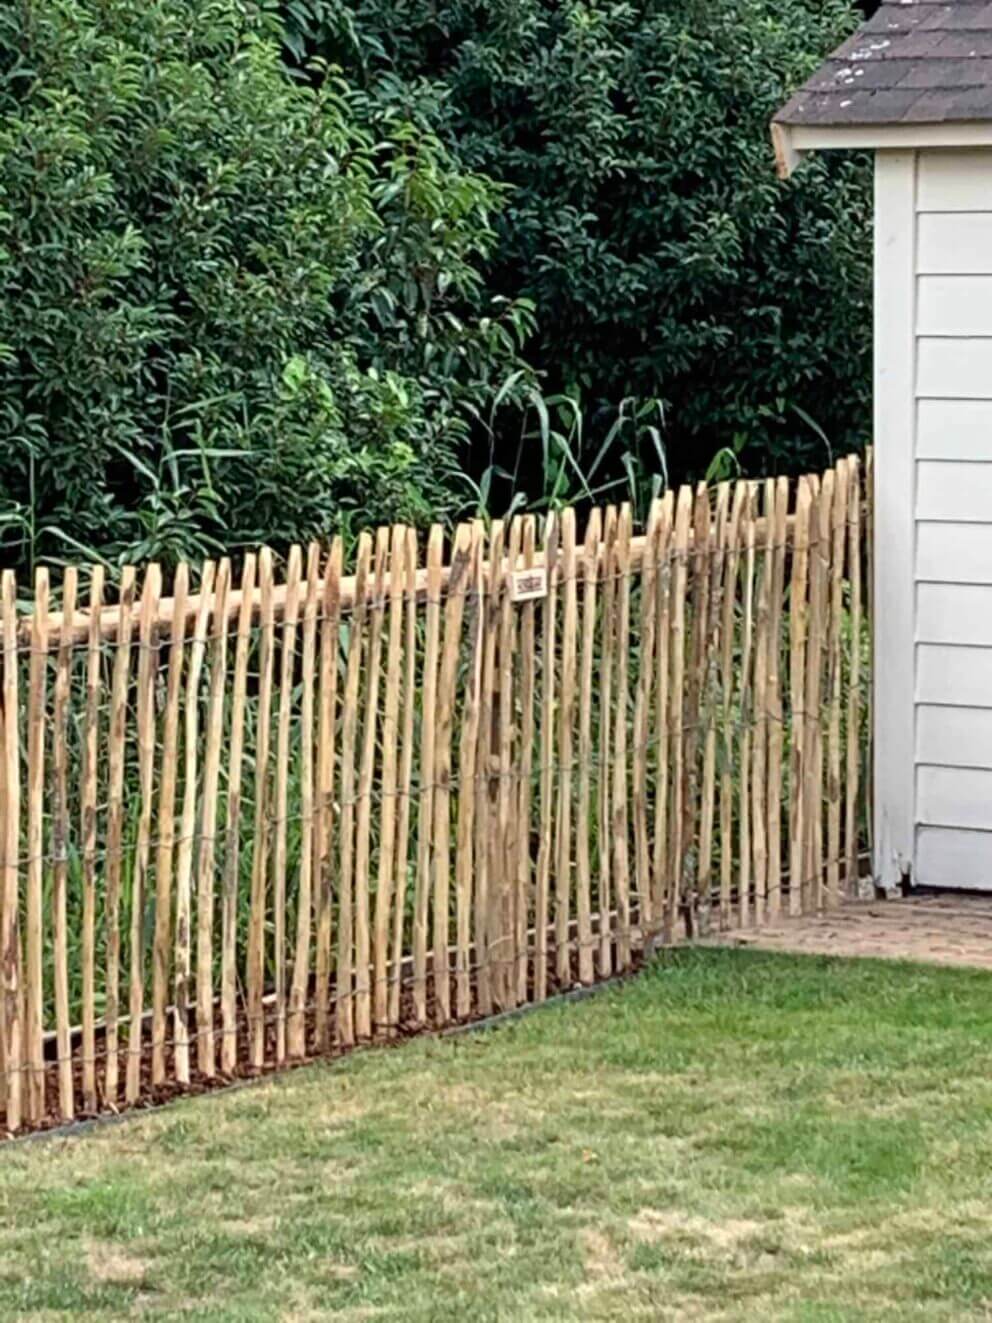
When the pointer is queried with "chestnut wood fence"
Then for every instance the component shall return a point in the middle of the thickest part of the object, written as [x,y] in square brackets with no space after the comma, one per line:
[256,821]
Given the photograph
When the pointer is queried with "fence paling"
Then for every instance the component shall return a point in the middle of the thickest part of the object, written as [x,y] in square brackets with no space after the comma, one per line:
[346,936]
[299,978]
[232,836]
[35,840]
[710,689]
[528,670]
[499,739]
[206,1058]
[279,857]
[468,747]
[775,709]
[482,823]
[619,747]
[255,972]
[390,733]
[834,684]
[506,646]
[444,725]
[642,701]
[566,710]
[746,713]
[547,733]
[184,858]
[607,717]
[11,818]
[585,806]
[662,713]
[683,516]
[363,819]
[405,775]
[167,798]
[221,792]
[146,759]
[60,846]
[797,674]
[762,641]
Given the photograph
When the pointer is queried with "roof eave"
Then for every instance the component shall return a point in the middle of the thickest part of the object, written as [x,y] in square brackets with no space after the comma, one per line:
[792,142]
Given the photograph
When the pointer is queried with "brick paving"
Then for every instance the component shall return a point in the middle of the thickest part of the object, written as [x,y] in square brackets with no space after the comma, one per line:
[935,929]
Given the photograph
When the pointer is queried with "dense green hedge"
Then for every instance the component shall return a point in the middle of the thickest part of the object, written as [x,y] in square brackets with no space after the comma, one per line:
[268,269]
[233,307]
[646,222]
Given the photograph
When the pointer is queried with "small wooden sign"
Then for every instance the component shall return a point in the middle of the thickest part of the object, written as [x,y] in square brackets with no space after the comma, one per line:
[528,585]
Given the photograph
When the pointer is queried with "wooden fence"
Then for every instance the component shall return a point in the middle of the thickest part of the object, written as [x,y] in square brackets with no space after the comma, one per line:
[246,824]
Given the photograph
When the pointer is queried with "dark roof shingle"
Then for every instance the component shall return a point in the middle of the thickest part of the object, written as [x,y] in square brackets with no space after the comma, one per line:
[914,62]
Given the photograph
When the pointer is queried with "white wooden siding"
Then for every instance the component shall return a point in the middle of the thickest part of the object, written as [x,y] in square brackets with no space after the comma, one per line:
[955,244]
[954,553]
[954,797]
[955,181]
[953,676]
[954,736]
[954,492]
[952,496]
[954,305]
[953,857]
[953,367]
[955,429]
[954,613]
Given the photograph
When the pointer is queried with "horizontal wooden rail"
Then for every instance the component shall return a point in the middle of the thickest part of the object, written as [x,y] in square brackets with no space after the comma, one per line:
[110,613]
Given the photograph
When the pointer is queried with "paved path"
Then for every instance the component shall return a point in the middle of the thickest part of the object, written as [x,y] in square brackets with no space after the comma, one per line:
[937,929]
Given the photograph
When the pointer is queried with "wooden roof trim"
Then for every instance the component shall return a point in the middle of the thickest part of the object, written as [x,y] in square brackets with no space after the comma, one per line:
[792,142]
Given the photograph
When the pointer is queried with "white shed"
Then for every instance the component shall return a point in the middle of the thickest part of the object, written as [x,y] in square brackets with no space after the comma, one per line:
[915,87]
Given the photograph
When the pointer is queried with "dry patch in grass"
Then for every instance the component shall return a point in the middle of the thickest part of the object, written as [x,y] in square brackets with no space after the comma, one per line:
[109,1263]
[249,1227]
[653,1225]
[600,1256]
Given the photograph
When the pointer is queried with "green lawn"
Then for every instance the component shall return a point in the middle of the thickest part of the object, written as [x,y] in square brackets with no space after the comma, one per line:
[732,1135]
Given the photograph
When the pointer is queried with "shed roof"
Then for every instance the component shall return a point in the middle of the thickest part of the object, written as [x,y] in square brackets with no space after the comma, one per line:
[914,62]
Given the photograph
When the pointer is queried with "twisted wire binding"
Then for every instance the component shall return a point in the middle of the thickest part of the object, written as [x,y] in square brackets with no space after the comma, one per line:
[612,931]
[454,783]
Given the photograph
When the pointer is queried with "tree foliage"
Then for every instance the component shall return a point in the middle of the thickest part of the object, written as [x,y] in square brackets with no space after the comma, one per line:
[270,269]
[645,220]
[234,306]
